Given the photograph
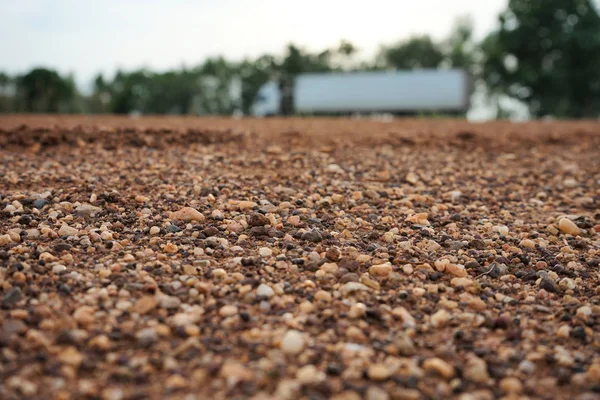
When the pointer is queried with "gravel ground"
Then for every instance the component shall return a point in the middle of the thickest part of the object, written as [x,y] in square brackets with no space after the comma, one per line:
[188,258]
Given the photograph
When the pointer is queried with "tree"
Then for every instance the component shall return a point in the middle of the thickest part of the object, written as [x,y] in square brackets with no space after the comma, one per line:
[130,91]
[6,95]
[254,74]
[343,56]
[100,99]
[44,90]
[298,61]
[417,52]
[546,53]
[346,48]
[459,48]
[219,90]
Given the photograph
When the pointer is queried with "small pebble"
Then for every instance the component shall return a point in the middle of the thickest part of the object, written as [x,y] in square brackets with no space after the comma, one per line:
[380,270]
[293,342]
[228,311]
[66,230]
[58,269]
[440,318]
[511,385]
[379,372]
[5,239]
[568,227]
[439,366]
[265,291]
[310,375]
[312,236]
[187,214]
[461,282]
[169,302]
[40,203]
[265,252]
[146,337]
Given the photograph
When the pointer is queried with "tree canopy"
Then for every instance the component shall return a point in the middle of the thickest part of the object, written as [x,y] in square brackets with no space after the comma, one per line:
[546,53]
[44,90]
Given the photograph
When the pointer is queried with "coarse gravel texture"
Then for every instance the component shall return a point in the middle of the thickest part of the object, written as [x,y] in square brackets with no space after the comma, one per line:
[189,258]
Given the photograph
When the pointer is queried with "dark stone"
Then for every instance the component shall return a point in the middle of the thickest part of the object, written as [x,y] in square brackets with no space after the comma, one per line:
[501,323]
[11,297]
[477,244]
[527,276]
[173,228]
[211,231]
[350,277]
[244,316]
[558,268]
[59,247]
[272,232]
[246,262]
[579,333]
[497,270]
[373,315]
[64,289]
[257,219]
[435,275]
[24,220]
[549,285]
[372,247]
[40,203]
[333,369]
[333,254]
[312,236]
[258,231]
[66,337]
[349,264]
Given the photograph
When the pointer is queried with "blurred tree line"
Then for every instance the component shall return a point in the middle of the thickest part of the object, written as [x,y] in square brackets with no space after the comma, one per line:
[544,53]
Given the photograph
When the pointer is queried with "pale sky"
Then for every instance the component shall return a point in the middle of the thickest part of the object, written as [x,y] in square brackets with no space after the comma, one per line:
[85,37]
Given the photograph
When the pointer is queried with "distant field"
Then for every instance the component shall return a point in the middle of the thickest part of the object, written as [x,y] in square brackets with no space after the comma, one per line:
[194,258]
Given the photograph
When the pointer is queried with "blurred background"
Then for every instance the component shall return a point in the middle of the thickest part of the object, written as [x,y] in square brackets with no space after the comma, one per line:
[525,58]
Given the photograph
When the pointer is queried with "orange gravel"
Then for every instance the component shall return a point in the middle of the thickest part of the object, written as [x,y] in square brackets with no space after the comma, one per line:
[193,258]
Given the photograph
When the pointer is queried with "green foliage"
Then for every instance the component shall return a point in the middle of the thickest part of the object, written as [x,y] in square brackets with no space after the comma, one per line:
[460,50]
[203,90]
[415,53]
[346,48]
[546,53]
[6,95]
[44,90]
[422,52]
[254,74]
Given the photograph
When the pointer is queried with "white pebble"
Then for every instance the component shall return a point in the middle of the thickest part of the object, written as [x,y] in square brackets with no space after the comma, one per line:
[264,291]
[265,252]
[293,342]
[169,302]
[59,268]
[66,230]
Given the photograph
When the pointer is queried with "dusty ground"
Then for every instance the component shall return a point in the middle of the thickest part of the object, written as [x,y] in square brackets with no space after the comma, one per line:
[318,259]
